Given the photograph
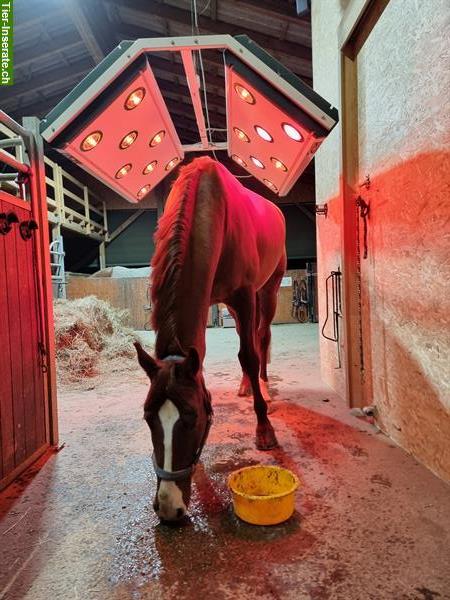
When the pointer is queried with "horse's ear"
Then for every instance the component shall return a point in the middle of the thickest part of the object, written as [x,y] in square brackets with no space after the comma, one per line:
[191,364]
[148,363]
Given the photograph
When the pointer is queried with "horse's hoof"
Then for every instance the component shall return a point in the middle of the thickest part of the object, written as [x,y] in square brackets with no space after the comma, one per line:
[265,438]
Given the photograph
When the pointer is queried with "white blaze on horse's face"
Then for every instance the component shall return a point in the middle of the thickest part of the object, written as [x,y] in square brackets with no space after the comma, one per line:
[170,498]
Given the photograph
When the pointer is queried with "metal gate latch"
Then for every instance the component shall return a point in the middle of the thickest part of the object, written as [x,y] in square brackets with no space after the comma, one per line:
[6,222]
[27,228]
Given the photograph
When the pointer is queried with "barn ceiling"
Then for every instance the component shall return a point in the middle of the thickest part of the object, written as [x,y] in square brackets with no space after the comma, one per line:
[57,42]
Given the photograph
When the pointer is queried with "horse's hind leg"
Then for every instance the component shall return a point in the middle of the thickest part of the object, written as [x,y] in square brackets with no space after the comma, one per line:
[245,387]
[268,304]
[244,305]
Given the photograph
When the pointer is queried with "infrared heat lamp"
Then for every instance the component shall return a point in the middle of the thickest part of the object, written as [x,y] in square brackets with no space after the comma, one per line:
[115,123]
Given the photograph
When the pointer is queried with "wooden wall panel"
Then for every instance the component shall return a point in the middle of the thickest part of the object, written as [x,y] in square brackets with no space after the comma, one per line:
[22,398]
[15,336]
[6,409]
[28,353]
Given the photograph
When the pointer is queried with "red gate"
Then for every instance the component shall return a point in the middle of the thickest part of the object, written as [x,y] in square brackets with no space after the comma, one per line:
[27,414]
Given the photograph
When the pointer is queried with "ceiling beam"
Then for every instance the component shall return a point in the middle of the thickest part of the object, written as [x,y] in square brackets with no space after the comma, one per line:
[274,9]
[42,48]
[207,25]
[210,58]
[76,11]
[51,77]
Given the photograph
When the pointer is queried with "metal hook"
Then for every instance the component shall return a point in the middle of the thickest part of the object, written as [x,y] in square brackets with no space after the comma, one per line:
[26,229]
[6,222]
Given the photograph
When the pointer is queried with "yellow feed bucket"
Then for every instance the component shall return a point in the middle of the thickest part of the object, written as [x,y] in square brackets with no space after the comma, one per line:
[263,495]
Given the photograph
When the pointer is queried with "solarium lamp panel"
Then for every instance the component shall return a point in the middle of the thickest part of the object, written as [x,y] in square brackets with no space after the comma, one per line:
[110,162]
[283,158]
[293,125]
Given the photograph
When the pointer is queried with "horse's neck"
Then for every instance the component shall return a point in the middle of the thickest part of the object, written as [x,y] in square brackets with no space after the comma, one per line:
[193,293]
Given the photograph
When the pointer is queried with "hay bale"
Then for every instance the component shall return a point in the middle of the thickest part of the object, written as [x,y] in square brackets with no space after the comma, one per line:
[91,337]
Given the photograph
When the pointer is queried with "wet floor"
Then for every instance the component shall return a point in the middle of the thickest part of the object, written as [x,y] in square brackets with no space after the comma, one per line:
[370,522]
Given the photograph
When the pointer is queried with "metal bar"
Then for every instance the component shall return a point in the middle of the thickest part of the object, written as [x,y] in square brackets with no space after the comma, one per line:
[200,148]
[194,89]
[14,126]
[10,142]
[8,176]
[12,162]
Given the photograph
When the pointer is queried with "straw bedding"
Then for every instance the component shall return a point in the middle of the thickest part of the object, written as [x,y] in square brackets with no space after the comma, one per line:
[92,339]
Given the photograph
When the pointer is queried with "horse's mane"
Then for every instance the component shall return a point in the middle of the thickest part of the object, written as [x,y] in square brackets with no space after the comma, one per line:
[171,240]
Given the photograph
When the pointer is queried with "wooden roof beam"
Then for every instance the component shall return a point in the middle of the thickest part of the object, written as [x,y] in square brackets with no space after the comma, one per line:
[207,25]
[42,49]
[82,24]
[52,76]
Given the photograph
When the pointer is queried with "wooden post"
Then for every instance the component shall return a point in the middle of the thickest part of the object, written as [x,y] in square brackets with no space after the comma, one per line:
[102,255]
[39,206]
[86,209]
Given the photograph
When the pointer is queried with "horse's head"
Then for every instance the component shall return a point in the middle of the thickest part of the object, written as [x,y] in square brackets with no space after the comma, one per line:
[178,412]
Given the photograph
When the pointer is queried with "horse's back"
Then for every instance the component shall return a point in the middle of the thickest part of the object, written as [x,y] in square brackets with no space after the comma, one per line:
[254,236]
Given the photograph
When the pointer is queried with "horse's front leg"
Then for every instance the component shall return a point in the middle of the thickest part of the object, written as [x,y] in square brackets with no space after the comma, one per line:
[244,306]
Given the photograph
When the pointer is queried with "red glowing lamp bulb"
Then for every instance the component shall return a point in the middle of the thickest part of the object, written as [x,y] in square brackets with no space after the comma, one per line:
[91,140]
[263,133]
[123,171]
[278,164]
[241,135]
[239,160]
[170,165]
[150,167]
[135,98]
[292,132]
[157,138]
[257,162]
[270,185]
[144,191]
[127,140]
[244,94]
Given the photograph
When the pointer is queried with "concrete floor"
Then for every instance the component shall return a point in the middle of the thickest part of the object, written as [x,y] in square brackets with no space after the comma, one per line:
[371,523]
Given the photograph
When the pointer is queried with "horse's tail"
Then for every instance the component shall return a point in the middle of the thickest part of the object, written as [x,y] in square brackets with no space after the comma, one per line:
[171,237]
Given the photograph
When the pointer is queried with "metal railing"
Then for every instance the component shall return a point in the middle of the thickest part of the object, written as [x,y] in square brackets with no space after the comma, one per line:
[71,204]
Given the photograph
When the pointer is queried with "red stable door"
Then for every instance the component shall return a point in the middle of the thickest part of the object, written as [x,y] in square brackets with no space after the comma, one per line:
[23,408]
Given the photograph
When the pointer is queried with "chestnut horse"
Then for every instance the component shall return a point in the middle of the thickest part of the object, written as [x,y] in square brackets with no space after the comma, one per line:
[216,242]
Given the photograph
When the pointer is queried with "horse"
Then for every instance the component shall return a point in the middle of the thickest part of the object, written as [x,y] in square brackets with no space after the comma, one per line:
[216,241]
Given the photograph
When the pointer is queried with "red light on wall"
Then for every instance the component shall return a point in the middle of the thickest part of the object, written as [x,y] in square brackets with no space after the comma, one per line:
[134,99]
[91,140]
[257,162]
[123,171]
[270,185]
[263,133]
[143,191]
[244,94]
[241,135]
[239,160]
[127,140]
[157,139]
[170,165]
[278,164]
[150,167]
[292,132]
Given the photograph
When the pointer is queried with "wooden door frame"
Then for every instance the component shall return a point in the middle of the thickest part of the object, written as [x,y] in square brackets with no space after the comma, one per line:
[358,20]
